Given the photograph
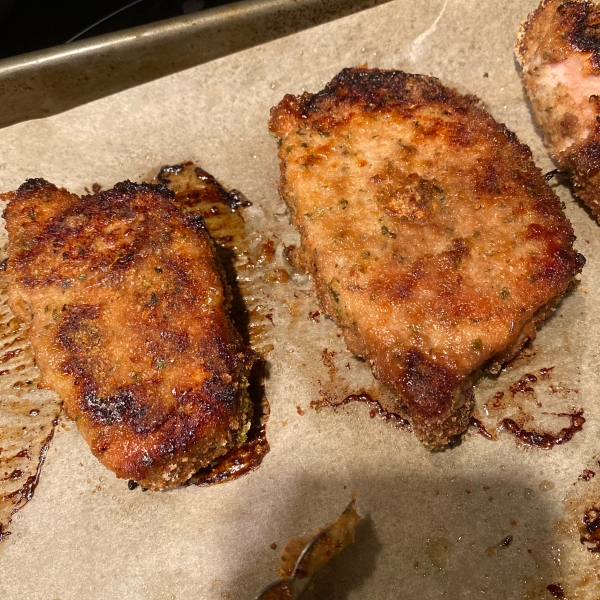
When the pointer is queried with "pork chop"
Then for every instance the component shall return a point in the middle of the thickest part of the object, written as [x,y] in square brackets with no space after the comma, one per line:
[128,315]
[432,239]
[558,47]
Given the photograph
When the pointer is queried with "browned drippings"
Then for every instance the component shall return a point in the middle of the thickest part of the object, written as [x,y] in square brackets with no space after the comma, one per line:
[290,253]
[327,356]
[496,401]
[24,493]
[237,462]
[266,253]
[517,409]
[10,355]
[19,497]
[277,276]
[28,418]
[199,192]
[335,389]
[546,441]
[523,385]
[555,590]
[587,475]
[590,529]
[474,422]
[582,517]
[375,406]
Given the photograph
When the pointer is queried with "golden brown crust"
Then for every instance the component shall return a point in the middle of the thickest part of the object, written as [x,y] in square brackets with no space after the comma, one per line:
[430,235]
[557,28]
[558,47]
[129,323]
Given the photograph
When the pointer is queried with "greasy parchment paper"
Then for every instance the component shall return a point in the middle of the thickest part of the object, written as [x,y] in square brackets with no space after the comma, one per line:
[485,519]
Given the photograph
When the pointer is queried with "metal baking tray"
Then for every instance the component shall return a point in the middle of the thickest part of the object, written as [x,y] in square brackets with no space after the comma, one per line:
[486,518]
[47,82]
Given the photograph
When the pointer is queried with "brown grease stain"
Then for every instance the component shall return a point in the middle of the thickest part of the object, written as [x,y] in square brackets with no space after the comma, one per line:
[555,590]
[376,409]
[27,432]
[586,475]
[590,529]
[522,386]
[17,385]
[546,441]
[474,422]
[327,356]
[529,437]
[24,494]
[277,276]
[290,254]
[497,399]
[10,355]
[16,474]
[335,390]
[22,454]
[266,253]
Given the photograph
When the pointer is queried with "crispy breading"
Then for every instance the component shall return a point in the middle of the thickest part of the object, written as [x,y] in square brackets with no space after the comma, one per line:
[128,314]
[431,237]
[558,47]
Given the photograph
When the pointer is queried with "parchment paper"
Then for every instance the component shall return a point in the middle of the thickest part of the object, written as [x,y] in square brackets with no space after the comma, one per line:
[437,525]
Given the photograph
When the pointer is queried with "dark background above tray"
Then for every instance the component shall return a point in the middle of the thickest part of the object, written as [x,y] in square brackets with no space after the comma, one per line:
[30,25]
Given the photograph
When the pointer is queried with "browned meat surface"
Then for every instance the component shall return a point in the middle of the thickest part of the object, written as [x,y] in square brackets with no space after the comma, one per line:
[559,49]
[128,316]
[432,238]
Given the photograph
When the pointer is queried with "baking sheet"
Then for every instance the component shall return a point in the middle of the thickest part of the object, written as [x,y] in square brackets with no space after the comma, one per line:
[49,81]
[436,525]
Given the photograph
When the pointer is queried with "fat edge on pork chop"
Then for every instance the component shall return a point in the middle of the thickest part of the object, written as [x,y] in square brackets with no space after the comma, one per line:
[432,239]
[128,314]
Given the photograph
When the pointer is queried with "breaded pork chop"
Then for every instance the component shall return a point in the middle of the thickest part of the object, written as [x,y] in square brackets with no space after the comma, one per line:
[127,310]
[431,237]
[558,47]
